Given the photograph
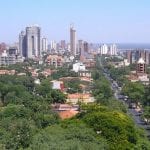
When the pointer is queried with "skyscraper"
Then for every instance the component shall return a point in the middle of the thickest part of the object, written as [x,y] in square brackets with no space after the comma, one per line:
[63,44]
[113,49]
[22,44]
[104,49]
[73,40]
[80,47]
[44,45]
[53,45]
[33,36]
[86,47]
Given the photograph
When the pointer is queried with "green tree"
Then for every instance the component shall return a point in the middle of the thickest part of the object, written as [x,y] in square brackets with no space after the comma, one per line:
[116,127]
[70,135]
[135,91]
[146,113]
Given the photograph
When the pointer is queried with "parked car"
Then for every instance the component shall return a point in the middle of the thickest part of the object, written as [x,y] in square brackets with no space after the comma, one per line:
[132,105]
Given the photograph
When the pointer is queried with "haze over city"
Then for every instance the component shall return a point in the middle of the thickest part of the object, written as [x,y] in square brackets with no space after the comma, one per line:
[111,21]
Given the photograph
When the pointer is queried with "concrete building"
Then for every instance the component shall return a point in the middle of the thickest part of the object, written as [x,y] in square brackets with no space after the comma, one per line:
[13,51]
[44,45]
[63,44]
[80,47]
[22,44]
[55,60]
[53,45]
[128,56]
[33,39]
[147,57]
[134,55]
[113,50]
[78,97]
[73,41]
[7,59]
[78,67]
[86,47]
[104,49]
[57,85]
[141,66]
[2,48]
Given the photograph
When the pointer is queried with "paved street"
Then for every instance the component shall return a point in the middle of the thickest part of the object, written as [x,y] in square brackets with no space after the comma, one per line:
[132,112]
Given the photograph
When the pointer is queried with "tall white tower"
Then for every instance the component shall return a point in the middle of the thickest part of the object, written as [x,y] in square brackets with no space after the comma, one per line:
[104,49]
[33,39]
[113,49]
[72,40]
[44,44]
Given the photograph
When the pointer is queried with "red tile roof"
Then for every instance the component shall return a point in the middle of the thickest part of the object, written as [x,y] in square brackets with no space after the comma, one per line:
[67,114]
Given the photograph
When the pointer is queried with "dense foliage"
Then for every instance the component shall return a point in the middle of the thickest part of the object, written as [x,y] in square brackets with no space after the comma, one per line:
[27,121]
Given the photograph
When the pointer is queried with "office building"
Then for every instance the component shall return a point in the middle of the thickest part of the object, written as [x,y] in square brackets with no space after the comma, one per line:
[44,45]
[9,59]
[147,57]
[73,40]
[13,51]
[53,45]
[22,44]
[80,47]
[141,66]
[128,56]
[33,39]
[113,49]
[63,44]
[86,47]
[104,49]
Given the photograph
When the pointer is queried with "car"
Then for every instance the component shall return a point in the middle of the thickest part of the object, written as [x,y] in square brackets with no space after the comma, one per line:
[125,99]
[132,106]
[143,122]
[139,113]
[147,128]
[120,97]
[119,88]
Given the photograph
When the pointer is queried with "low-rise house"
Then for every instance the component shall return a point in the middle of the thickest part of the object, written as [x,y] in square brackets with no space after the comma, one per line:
[65,111]
[7,72]
[79,97]
[47,72]
[21,74]
[67,114]
[85,73]
[55,60]
[57,85]
[34,74]
[78,67]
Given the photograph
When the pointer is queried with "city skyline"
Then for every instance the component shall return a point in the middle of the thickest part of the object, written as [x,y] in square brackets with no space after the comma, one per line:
[110,21]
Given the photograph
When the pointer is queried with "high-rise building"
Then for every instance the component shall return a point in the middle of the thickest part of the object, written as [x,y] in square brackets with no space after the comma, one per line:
[63,44]
[73,40]
[44,45]
[22,44]
[141,66]
[33,39]
[128,56]
[113,49]
[68,46]
[2,48]
[104,49]
[86,47]
[53,45]
[80,47]
[147,57]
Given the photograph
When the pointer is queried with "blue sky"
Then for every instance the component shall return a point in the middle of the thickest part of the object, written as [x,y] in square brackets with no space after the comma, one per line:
[95,20]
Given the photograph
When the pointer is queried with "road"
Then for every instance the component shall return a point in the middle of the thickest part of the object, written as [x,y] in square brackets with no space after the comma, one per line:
[132,112]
